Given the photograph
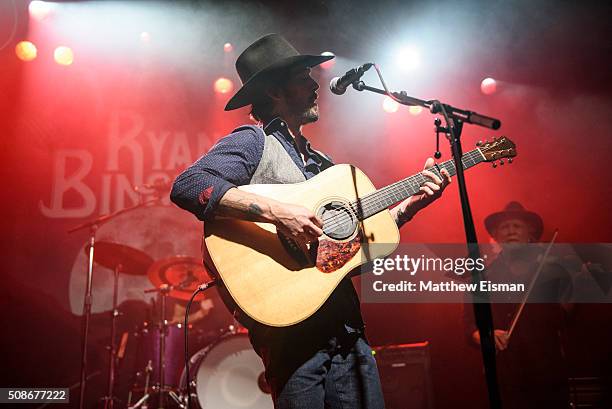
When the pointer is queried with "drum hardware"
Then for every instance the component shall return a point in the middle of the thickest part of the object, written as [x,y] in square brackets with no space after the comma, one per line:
[109,399]
[178,399]
[179,276]
[162,389]
[142,401]
[158,189]
[182,274]
[174,277]
[93,226]
[127,260]
[122,344]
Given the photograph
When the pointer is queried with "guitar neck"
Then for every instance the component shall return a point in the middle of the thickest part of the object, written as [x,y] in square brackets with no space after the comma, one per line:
[387,196]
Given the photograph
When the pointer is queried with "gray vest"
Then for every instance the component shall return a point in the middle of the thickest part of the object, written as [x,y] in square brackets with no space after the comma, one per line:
[276,166]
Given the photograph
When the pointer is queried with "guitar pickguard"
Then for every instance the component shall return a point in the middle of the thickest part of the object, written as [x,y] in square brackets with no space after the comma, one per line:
[332,255]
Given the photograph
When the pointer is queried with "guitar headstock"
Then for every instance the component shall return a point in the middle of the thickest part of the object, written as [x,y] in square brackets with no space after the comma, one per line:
[497,149]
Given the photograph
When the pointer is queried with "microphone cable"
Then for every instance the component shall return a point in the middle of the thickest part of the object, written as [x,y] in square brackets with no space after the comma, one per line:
[201,288]
[390,94]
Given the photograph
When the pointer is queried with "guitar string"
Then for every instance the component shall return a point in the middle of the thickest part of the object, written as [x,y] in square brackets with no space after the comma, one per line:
[380,198]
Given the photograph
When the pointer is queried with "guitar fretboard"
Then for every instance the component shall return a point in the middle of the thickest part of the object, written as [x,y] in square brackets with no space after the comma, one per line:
[387,196]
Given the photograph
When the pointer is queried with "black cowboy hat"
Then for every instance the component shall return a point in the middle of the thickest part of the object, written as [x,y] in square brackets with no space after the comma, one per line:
[515,210]
[265,57]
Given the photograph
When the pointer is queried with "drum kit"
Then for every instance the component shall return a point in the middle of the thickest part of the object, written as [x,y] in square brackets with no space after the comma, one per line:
[148,361]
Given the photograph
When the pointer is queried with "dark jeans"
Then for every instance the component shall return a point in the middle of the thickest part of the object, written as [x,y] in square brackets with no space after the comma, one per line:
[339,377]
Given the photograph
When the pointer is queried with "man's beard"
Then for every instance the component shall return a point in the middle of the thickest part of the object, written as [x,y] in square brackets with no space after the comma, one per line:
[310,115]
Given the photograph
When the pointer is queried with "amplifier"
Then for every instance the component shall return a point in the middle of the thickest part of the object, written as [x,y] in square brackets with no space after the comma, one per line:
[405,375]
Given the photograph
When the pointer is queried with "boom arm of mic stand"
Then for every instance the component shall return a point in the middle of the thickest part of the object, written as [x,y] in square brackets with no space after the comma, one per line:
[435,107]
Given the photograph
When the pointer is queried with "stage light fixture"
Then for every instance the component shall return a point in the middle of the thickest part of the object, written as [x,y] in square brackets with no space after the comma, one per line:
[26,51]
[488,86]
[223,86]
[389,105]
[330,63]
[39,10]
[145,37]
[63,55]
[408,58]
[228,47]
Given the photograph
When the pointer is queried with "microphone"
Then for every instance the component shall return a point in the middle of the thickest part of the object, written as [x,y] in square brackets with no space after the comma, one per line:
[338,85]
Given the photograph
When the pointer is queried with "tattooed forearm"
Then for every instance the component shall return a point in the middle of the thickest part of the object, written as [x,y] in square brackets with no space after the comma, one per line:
[245,206]
[255,210]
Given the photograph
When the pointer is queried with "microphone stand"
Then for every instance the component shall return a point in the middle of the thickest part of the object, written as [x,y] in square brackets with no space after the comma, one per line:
[455,118]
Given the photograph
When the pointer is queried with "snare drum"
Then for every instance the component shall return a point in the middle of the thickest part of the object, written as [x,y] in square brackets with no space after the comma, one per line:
[228,374]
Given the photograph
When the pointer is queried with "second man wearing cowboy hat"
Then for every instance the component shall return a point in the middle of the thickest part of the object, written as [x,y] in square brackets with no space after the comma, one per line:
[531,365]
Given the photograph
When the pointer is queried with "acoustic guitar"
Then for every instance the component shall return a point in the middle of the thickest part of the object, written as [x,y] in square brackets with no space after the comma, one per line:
[278,283]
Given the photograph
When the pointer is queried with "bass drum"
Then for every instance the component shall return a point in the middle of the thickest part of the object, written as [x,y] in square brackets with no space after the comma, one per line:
[228,374]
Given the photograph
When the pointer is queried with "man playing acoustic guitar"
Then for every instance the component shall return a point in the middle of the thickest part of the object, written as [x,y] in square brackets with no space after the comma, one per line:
[323,361]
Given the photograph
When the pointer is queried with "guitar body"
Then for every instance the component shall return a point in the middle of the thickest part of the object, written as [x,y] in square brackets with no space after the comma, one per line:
[278,284]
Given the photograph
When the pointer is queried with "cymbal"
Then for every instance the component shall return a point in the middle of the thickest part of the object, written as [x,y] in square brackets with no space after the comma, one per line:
[182,272]
[112,255]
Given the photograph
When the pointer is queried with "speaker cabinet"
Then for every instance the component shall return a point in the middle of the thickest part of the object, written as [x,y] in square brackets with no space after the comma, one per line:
[405,375]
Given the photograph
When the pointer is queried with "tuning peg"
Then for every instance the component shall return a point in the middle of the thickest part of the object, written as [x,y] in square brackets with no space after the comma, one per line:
[509,160]
[501,161]
[479,143]
[494,164]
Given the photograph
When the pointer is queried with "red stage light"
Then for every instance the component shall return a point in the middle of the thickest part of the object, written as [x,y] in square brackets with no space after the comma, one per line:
[330,63]
[488,86]
[63,55]
[223,86]
[25,51]
[228,47]
[39,10]
[389,105]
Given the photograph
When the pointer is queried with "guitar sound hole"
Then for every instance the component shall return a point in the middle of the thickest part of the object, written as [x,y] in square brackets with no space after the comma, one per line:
[339,220]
